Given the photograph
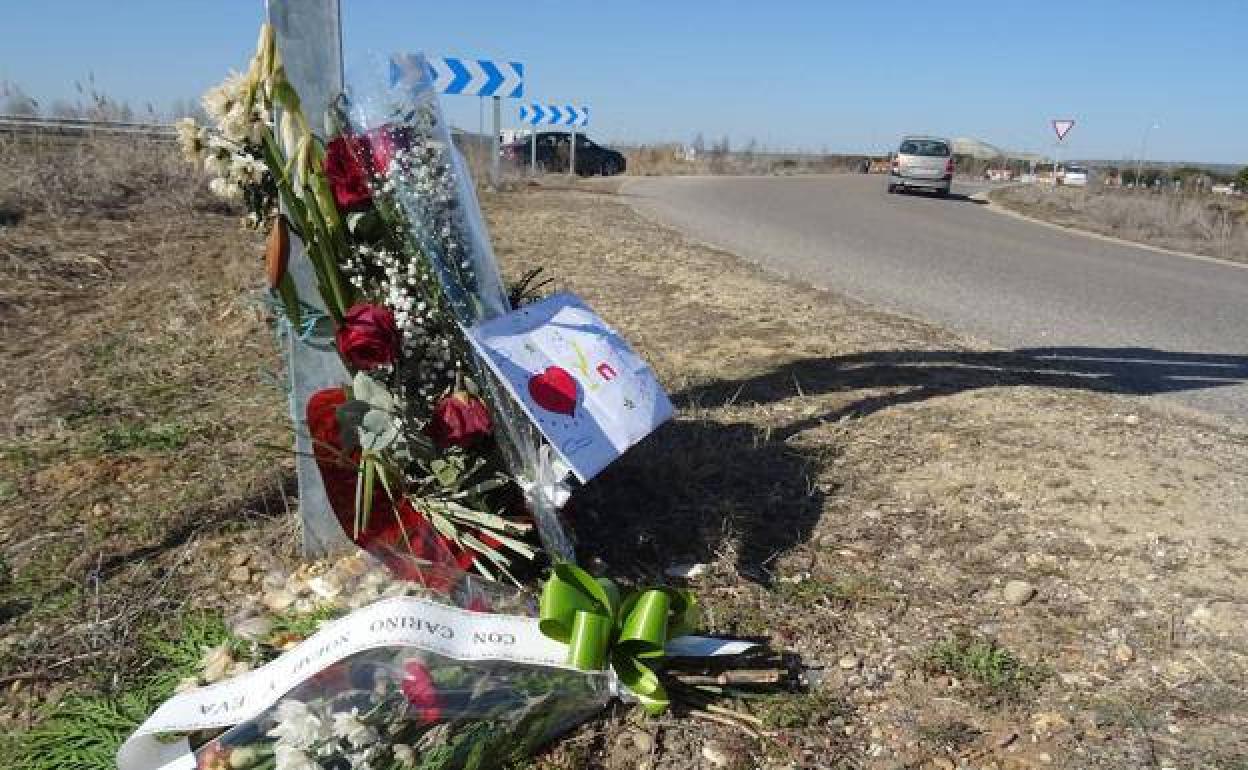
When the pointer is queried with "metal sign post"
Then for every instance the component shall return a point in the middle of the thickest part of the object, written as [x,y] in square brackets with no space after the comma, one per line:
[553,115]
[309,35]
[1061,128]
[534,115]
[495,169]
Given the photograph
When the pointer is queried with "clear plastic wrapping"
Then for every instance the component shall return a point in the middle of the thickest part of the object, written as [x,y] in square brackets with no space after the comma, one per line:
[421,186]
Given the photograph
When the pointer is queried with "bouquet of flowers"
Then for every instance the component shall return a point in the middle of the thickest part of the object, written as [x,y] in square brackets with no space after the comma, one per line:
[343,665]
[422,450]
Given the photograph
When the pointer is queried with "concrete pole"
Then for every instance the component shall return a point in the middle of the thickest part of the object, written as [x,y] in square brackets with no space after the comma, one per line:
[533,149]
[309,36]
[572,153]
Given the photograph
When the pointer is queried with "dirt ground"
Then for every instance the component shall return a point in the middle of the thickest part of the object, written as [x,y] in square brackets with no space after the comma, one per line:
[981,564]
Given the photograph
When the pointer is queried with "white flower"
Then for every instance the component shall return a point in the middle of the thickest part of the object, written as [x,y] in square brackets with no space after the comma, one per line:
[226,190]
[297,726]
[246,170]
[217,661]
[235,125]
[364,759]
[291,758]
[404,755]
[347,725]
[220,100]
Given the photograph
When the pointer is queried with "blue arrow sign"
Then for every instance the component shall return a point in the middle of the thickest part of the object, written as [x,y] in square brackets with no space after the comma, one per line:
[553,115]
[453,75]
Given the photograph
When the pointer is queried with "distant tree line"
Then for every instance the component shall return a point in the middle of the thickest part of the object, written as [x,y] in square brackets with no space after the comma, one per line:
[91,104]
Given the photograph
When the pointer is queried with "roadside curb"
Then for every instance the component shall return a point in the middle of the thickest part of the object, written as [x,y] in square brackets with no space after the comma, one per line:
[1000,209]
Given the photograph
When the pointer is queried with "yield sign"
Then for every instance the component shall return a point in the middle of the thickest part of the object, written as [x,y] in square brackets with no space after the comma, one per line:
[1062,127]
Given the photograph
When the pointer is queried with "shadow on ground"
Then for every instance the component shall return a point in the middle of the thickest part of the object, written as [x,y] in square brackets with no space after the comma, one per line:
[699,486]
[925,374]
[695,488]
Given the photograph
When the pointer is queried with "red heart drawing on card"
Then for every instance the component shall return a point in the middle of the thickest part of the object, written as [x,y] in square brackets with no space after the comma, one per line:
[554,390]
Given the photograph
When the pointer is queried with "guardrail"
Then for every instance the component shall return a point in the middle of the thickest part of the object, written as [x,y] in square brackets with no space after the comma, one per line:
[77,127]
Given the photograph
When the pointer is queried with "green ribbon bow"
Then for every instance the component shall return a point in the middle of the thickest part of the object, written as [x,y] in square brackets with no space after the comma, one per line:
[587,615]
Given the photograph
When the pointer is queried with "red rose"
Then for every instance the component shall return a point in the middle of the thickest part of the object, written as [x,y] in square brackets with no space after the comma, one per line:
[350,160]
[421,693]
[368,337]
[347,164]
[460,419]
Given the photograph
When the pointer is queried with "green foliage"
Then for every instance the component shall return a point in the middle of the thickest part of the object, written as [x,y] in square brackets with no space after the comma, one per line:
[8,490]
[129,436]
[303,624]
[953,735]
[994,670]
[84,731]
[805,710]
[1241,180]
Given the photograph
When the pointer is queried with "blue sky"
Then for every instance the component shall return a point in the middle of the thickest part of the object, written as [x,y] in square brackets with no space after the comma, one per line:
[790,75]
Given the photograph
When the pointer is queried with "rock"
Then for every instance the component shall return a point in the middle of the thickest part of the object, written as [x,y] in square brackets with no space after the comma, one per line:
[686,571]
[849,662]
[1005,738]
[1048,722]
[716,755]
[240,574]
[1131,419]
[1018,592]
[253,628]
[239,558]
[1123,653]
[1045,758]
[643,742]
[942,763]
[278,600]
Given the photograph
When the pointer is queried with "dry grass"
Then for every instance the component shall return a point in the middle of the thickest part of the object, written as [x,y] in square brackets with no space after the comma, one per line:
[1211,225]
[132,367]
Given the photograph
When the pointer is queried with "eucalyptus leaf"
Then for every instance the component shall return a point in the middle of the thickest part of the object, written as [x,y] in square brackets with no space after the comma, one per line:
[350,416]
[367,389]
[378,430]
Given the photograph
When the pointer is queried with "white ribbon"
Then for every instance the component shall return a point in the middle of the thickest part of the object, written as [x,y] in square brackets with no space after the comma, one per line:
[403,621]
[396,622]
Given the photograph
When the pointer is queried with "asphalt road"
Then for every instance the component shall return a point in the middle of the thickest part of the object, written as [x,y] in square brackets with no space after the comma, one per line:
[1132,319]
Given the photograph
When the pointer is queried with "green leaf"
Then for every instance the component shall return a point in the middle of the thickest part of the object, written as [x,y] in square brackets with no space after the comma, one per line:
[350,416]
[372,392]
[446,472]
[378,430]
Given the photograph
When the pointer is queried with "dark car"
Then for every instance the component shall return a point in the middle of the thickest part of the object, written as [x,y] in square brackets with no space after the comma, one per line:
[553,152]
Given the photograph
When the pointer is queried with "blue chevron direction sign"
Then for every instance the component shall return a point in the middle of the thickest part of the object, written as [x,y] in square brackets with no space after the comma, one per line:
[454,75]
[477,77]
[554,115]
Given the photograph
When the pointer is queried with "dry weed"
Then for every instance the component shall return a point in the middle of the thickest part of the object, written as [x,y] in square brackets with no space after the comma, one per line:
[1211,225]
